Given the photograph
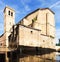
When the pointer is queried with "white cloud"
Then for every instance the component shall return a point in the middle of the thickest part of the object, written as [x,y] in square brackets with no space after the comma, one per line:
[16,8]
[1,27]
[27,8]
[24,3]
[55,4]
[2,5]
[57,35]
[58,6]
[42,1]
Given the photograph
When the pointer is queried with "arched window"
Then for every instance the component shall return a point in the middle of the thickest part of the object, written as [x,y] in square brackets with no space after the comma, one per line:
[8,12]
[11,13]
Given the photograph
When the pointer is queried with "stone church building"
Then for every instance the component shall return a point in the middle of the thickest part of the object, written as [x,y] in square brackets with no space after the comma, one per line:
[37,29]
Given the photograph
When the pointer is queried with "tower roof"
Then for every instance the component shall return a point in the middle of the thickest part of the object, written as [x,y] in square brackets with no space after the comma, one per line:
[9,8]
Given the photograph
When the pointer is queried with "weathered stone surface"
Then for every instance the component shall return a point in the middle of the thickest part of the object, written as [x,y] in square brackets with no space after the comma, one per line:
[37,29]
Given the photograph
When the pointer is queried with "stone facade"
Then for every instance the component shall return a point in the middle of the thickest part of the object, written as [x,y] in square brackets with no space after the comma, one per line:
[2,41]
[9,18]
[43,20]
[37,29]
[29,36]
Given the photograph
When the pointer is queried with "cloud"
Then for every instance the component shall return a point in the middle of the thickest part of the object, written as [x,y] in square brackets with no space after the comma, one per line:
[26,6]
[16,8]
[56,8]
[58,32]
[55,4]
[1,2]
[43,1]
[1,26]
[25,1]
[2,5]
[57,35]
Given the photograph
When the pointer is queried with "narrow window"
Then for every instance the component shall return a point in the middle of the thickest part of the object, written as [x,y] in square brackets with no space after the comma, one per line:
[1,44]
[31,32]
[46,22]
[11,13]
[33,20]
[32,23]
[8,12]
[43,41]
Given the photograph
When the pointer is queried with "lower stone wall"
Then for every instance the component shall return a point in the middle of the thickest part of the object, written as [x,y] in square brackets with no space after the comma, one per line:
[31,37]
[35,50]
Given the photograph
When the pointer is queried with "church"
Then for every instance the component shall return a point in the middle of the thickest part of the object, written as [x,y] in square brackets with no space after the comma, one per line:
[37,29]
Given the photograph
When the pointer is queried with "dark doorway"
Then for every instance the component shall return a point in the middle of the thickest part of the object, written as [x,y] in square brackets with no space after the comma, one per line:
[37,50]
[2,57]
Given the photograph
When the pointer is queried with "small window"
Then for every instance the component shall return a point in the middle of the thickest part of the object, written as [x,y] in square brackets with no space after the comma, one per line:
[8,12]
[43,41]
[11,13]
[31,32]
[1,44]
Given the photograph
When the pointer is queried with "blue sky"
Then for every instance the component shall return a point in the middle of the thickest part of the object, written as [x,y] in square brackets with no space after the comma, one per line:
[23,7]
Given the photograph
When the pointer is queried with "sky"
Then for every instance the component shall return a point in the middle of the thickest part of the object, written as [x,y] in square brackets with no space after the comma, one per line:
[23,7]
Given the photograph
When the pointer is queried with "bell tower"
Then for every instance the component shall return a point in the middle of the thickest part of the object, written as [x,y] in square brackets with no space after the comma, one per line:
[9,21]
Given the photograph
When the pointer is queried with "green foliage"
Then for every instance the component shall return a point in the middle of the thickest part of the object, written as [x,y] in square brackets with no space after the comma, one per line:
[35,19]
[58,44]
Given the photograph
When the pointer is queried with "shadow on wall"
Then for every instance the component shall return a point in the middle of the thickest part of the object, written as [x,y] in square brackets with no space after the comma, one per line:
[26,51]
[2,57]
